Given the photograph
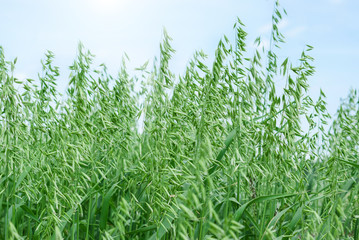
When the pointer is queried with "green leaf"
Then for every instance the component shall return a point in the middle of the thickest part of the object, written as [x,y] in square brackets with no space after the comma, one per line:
[227,142]
[105,207]
[296,218]
[165,225]
[239,212]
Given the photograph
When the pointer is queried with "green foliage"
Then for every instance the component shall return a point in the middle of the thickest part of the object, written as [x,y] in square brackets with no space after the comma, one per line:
[222,155]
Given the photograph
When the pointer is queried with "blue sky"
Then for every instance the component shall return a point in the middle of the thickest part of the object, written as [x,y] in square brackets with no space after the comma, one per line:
[111,27]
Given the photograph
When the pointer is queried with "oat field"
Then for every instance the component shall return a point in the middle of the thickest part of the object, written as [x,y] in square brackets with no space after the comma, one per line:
[215,153]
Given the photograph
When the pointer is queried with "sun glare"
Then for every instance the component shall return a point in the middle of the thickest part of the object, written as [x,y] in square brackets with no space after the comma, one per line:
[106,6]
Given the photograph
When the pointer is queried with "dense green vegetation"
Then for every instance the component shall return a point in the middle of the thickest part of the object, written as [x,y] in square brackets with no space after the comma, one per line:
[222,154]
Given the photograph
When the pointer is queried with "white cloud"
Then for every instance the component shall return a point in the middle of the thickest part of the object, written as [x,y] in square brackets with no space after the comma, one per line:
[266,28]
[283,24]
[20,76]
[263,44]
[294,32]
